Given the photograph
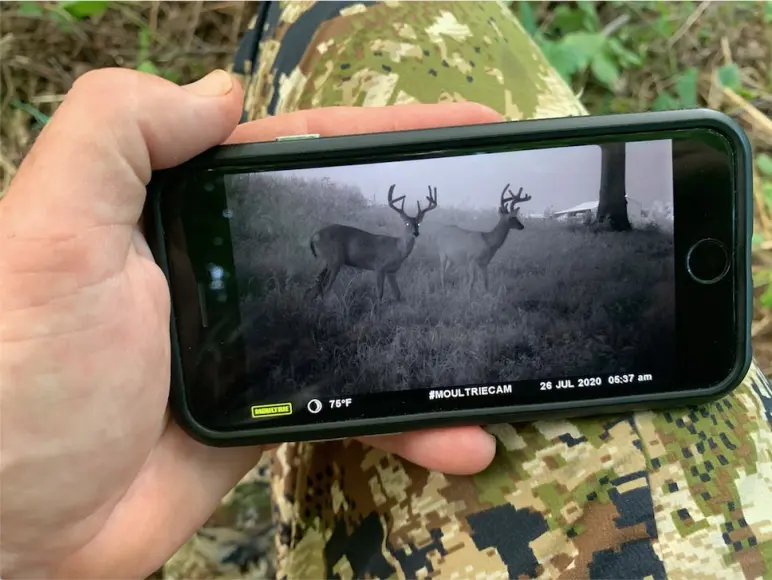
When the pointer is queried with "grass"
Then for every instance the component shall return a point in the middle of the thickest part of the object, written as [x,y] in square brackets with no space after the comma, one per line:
[563,299]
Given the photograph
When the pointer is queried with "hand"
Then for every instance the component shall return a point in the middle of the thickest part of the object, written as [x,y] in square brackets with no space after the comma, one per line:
[97,481]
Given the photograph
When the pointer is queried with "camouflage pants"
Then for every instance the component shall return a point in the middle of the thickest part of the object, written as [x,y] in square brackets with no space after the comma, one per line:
[678,494]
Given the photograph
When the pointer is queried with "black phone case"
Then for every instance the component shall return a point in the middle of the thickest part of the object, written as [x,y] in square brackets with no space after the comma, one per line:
[519,132]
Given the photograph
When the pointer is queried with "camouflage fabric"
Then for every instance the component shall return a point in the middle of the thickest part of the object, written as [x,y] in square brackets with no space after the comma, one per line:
[678,494]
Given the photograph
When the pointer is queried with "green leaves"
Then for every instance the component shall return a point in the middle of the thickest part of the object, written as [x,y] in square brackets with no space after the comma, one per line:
[149,67]
[64,13]
[605,69]
[585,45]
[579,51]
[574,43]
[729,76]
[29,8]
[527,18]
[143,55]
[686,93]
[665,102]
[562,58]
[764,164]
[80,9]
[686,88]
[627,58]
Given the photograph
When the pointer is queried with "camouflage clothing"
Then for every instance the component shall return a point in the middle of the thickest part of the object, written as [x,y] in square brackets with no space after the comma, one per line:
[678,494]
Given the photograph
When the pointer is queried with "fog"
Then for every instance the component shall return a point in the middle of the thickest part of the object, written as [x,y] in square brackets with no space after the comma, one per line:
[555,178]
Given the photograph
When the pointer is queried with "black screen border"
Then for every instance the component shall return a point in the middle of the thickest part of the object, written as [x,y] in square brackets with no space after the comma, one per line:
[735,228]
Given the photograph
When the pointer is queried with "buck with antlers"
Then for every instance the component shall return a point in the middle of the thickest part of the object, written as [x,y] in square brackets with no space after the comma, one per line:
[475,249]
[339,245]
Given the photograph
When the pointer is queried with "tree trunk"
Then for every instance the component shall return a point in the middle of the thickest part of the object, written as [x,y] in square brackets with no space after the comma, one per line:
[612,207]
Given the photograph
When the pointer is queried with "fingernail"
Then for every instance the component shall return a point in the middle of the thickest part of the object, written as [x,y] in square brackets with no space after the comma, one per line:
[492,438]
[216,84]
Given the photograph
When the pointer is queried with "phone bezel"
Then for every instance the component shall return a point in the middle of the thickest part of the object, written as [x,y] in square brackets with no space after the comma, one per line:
[532,131]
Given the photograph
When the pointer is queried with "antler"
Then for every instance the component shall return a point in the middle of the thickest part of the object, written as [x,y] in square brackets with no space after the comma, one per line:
[432,204]
[512,200]
[393,201]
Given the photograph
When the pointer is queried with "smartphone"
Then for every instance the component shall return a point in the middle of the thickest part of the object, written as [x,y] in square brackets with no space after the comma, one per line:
[331,287]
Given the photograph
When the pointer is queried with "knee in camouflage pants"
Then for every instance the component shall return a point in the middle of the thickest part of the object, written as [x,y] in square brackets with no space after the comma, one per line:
[677,494]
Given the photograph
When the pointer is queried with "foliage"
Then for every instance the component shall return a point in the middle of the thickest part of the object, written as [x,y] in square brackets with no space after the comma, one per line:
[67,12]
[83,9]
[605,49]
[574,43]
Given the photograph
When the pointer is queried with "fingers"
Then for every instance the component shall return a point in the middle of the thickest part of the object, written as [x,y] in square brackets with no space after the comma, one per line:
[90,165]
[454,450]
[333,121]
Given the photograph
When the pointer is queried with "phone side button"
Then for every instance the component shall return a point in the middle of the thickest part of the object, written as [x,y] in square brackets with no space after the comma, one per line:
[297,137]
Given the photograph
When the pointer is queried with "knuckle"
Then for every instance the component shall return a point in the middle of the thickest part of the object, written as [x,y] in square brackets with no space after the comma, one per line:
[99,80]
[100,93]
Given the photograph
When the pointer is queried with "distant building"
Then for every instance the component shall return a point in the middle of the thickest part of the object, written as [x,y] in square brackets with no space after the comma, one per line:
[590,208]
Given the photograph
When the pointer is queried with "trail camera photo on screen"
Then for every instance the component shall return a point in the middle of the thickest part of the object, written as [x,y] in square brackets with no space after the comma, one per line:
[457,270]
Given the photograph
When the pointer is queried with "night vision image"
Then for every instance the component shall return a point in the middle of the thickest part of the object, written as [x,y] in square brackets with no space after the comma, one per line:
[458,270]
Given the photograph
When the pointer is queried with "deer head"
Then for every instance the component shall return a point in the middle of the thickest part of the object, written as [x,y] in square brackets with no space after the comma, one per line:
[507,209]
[412,223]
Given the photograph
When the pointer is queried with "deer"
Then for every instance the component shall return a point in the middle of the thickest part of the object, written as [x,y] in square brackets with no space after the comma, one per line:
[339,245]
[476,249]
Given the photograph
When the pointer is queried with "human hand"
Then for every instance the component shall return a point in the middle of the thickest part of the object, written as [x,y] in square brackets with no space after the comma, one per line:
[97,481]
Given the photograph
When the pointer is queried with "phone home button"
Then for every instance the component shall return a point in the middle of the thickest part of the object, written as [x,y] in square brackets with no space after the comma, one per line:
[707,261]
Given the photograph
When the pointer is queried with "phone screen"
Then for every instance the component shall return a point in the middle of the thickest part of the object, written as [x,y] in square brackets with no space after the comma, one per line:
[369,287]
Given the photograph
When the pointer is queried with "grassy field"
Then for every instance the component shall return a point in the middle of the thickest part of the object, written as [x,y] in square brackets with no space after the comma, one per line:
[563,299]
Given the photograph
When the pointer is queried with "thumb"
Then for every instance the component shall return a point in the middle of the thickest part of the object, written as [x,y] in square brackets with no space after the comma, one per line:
[91,163]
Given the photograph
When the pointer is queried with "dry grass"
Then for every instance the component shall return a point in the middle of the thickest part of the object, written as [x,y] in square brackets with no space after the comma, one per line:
[43,51]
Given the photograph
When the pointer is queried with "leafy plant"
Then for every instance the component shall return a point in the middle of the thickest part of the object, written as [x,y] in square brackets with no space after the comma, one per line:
[145,64]
[729,76]
[764,165]
[65,12]
[685,89]
[575,43]
[763,277]
[81,9]
[29,8]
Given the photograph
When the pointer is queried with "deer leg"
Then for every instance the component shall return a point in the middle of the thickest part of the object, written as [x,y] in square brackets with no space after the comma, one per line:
[472,276]
[392,277]
[332,274]
[443,270]
[316,288]
[484,271]
[380,276]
